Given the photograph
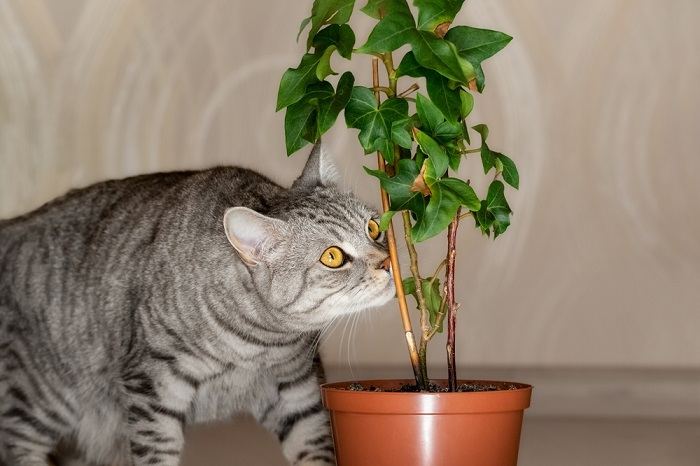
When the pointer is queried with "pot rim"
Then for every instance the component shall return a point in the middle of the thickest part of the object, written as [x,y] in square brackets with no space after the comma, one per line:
[337,399]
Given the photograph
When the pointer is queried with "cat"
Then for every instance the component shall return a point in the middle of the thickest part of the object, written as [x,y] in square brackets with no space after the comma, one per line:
[134,307]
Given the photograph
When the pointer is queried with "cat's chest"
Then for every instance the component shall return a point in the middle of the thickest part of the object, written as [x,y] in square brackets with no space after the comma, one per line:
[232,392]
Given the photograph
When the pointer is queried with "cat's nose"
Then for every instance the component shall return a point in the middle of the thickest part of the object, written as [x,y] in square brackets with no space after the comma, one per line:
[386,264]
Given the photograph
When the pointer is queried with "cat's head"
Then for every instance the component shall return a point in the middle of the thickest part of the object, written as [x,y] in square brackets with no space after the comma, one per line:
[318,254]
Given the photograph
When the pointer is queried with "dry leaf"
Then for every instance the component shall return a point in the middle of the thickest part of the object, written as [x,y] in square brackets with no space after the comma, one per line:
[419,185]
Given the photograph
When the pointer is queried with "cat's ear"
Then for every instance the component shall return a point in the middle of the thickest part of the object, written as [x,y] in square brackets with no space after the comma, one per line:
[249,231]
[318,171]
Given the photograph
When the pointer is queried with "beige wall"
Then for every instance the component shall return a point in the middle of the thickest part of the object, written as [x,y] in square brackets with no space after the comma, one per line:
[597,101]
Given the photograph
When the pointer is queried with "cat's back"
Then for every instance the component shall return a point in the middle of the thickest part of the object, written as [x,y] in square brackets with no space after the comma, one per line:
[86,224]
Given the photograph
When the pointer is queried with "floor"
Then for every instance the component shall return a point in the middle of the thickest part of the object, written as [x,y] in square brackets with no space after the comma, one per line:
[545,442]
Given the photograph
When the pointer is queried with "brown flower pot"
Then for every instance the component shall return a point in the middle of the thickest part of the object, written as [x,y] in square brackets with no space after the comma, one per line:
[376,428]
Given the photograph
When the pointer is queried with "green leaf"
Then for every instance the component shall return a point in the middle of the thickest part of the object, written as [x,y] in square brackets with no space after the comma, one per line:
[429,174]
[433,13]
[328,12]
[323,68]
[510,171]
[304,22]
[386,220]
[299,120]
[483,130]
[400,134]
[433,150]
[463,192]
[399,186]
[409,286]
[393,31]
[420,157]
[432,298]
[331,106]
[488,159]
[494,212]
[480,79]
[497,163]
[466,103]
[306,120]
[447,99]
[484,219]
[476,45]
[339,35]
[378,9]
[318,91]
[496,204]
[442,56]
[374,122]
[455,156]
[439,212]
[410,67]
[431,295]
[428,113]
[295,80]
[447,131]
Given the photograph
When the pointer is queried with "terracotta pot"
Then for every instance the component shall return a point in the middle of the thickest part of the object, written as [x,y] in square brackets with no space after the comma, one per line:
[373,428]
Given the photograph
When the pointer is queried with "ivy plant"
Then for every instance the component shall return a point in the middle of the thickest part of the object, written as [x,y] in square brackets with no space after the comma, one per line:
[421,131]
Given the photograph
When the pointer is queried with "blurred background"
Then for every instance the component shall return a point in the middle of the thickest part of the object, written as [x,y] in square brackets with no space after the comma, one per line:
[593,295]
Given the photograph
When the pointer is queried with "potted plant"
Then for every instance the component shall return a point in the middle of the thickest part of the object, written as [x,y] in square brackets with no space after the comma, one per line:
[420,139]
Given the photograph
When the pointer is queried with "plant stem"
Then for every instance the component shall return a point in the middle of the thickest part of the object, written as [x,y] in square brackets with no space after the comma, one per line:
[418,280]
[440,315]
[394,258]
[451,304]
[415,272]
[472,151]
[385,90]
[437,271]
[388,60]
[412,88]
[465,215]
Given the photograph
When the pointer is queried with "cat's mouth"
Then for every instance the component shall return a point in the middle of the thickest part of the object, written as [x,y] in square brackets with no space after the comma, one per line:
[389,291]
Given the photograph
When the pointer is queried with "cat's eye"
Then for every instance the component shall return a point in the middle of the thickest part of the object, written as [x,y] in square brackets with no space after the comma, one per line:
[333,257]
[373,230]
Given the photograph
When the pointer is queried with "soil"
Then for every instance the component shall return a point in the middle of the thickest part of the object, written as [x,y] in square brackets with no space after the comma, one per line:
[468,386]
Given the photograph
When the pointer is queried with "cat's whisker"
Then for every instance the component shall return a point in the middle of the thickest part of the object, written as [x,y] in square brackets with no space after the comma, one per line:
[317,341]
[326,331]
[352,327]
[342,337]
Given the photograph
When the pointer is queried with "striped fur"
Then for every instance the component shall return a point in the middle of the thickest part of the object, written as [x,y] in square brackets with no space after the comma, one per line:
[126,314]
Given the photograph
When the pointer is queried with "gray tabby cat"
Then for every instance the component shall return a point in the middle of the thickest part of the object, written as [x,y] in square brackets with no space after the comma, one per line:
[134,307]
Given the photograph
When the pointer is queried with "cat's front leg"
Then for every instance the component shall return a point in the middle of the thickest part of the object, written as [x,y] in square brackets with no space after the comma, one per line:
[301,424]
[156,417]
[155,435]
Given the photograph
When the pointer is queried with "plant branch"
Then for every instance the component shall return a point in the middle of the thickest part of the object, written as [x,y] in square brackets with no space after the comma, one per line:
[465,215]
[385,90]
[394,258]
[440,317]
[414,87]
[437,271]
[451,304]
[418,280]
[471,151]
[420,297]
[388,60]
